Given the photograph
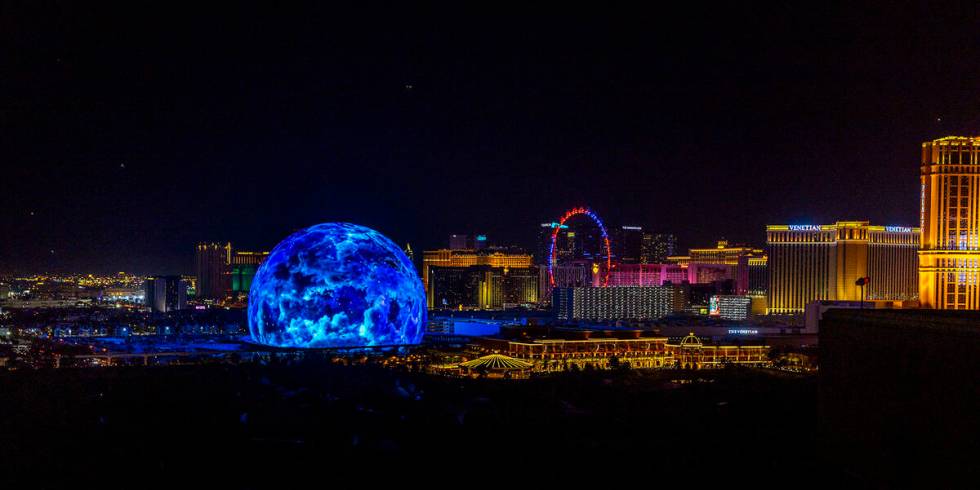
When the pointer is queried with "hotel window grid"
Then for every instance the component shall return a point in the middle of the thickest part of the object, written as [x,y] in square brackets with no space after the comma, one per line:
[820,264]
[950,245]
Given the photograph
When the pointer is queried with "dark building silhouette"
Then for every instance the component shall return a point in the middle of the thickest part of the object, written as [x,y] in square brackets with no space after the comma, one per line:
[627,244]
[543,250]
[222,271]
[899,400]
[482,287]
[165,293]
[656,247]
[467,242]
[576,240]
[211,267]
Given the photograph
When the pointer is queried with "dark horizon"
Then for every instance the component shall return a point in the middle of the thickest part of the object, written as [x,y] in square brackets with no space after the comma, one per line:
[129,135]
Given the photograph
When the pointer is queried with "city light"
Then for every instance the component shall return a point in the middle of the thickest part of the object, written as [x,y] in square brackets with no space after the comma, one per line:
[748,295]
[554,240]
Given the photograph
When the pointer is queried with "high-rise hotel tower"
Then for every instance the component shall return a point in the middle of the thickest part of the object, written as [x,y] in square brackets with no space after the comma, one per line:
[824,262]
[211,264]
[949,254]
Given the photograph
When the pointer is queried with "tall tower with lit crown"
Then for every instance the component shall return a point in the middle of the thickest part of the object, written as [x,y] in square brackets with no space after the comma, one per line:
[949,213]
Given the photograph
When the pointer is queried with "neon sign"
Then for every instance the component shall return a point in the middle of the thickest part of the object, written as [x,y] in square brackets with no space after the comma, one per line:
[922,206]
[742,331]
[804,227]
[898,229]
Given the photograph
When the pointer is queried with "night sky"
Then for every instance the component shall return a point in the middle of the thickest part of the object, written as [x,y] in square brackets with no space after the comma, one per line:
[128,133]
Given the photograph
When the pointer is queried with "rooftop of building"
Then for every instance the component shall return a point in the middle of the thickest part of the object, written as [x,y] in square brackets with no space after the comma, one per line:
[845,224]
[951,322]
[945,140]
[724,245]
[497,251]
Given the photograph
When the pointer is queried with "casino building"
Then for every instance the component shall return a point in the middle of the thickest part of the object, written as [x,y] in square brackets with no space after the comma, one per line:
[758,275]
[949,254]
[485,279]
[211,263]
[165,293]
[823,262]
[598,348]
[662,274]
[730,306]
[243,267]
[745,265]
[617,303]
[482,287]
[223,271]
[736,257]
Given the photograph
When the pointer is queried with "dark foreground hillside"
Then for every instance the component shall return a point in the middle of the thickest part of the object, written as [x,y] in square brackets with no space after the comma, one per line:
[239,423]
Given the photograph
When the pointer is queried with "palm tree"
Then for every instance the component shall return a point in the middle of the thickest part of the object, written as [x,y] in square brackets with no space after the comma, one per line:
[614,362]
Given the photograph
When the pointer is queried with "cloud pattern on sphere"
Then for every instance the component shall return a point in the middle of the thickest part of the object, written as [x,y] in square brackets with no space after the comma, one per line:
[336,285]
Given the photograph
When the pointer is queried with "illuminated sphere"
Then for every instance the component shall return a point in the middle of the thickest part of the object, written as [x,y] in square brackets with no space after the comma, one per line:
[336,285]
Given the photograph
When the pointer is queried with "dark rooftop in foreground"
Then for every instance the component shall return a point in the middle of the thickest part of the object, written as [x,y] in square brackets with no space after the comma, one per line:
[951,321]
[899,396]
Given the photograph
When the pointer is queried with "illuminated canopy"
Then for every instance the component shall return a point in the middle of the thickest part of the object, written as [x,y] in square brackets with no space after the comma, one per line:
[497,362]
[691,341]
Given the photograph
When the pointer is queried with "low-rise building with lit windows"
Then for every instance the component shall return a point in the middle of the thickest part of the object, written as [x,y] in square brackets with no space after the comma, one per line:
[730,306]
[627,347]
[648,274]
[617,303]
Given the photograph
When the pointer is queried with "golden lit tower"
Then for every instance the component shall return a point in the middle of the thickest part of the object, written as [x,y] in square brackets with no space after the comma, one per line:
[949,214]
[741,261]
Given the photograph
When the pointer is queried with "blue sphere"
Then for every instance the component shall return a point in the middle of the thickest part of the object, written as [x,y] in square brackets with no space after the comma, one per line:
[336,285]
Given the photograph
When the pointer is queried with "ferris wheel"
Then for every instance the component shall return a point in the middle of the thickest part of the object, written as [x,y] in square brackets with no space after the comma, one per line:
[553,256]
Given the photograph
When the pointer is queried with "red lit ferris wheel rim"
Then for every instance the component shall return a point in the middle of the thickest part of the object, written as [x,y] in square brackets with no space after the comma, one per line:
[553,256]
